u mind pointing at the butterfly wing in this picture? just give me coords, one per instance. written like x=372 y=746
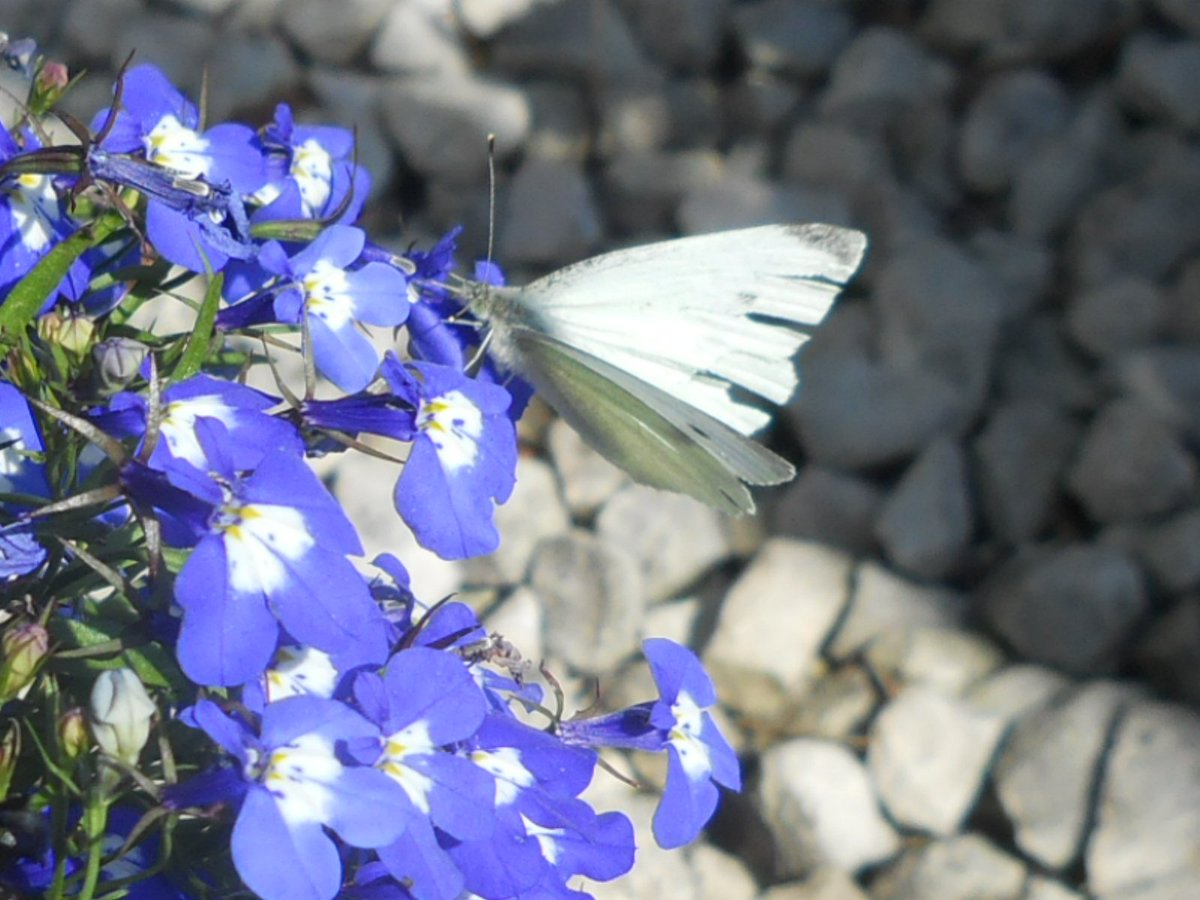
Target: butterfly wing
x=700 y=315
x=655 y=437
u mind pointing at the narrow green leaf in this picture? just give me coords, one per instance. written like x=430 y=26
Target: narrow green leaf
x=31 y=292
x=200 y=341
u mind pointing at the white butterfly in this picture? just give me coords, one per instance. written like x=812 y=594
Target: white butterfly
x=649 y=353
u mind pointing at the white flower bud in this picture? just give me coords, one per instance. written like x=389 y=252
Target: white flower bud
x=120 y=712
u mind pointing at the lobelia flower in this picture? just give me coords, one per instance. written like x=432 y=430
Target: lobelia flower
x=292 y=784
x=699 y=757
x=311 y=172
x=242 y=410
x=463 y=458
x=194 y=182
x=425 y=701
x=270 y=560
x=327 y=282
x=543 y=836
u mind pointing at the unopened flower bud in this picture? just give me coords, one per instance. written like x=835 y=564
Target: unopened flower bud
x=120 y=712
x=117 y=362
x=72 y=332
x=72 y=733
x=23 y=647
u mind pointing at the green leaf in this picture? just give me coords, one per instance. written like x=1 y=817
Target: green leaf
x=200 y=341
x=29 y=294
x=153 y=664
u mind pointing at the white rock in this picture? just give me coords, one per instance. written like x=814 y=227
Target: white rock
x=765 y=649
x=882 y=601
x=738 y=200
x=949 y=660
x=1148 y=824
x=483 y=18
x=817 y=801
x=646 y=524
x=1014 y=691
x=594 y=600
x=967 y=865
x=827 y=883
x=588 y=479
x=419 y=36
x=1049 y=766
x=928 y=758
x=333 y=32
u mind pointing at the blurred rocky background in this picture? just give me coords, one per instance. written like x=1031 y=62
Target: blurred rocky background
x=960 y=653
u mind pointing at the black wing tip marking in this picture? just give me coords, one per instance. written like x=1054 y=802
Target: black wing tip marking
x=846 y=245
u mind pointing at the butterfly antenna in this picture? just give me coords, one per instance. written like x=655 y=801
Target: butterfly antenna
x=491 y=145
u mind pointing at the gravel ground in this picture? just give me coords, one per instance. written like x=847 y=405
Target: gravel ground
x=959 y=653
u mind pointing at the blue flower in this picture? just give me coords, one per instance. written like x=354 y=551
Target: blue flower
x=293 y=785
x=312 y=173
x=463 y=460
x=274 y=557
x=20 y=552
x=20 y=437
x=194 y=181
x=325 y=282
x=699 y=757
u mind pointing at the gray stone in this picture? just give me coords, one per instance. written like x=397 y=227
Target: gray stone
x=948 y=660
x=1050 y=764
x=922 y=143
x=882 y=75
x=559 y=126
x=1008 y=31
x=333 y=33
x=821 y=152
x=928 y=757
x=827 y=506
x=1041 y=888
x=1184 y=13
x=534 y=512
x=1014 y=114
x=818 y=803
x=594 y=600
x=520 y=619
x=738 y=200
x=1050 y=186
x=1022 y=269
x=642 y=191
x=417 y=38
x=759 y=104
x=1182 y=310
x=441 y=123
x=837 y=707
x=1110 y=318
x=1072 y=607
x=94 y=30
x=551 y=218
x=766 y=645
x=1161 y=78
x=1148 y=823
x=588 y=479
x=682 y=34
x=882 y=601
x=1130 y=465
x=925 y=523
x=796 y=37
x=179 y=46
x=1143 y=226
x=695 y=110
x=966 y=865
x=209 y=8
x=1167 y=654
x=583 y=39
x=250 y=73
x=645 y=523
x=633 y=118
x=939 y=311
x=1035 y=363
x=1168 y=551
x=1015 y=691
x=855 y=413
x=1165 y=380
x=1020 y=455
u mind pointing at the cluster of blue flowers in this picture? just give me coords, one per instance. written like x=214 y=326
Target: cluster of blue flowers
x=359 y=742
